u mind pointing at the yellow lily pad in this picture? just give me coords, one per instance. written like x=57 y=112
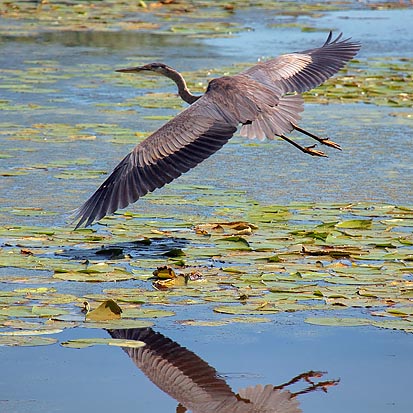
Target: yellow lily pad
x=108 y=310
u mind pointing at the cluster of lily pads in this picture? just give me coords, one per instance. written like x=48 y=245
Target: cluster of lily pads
x=322 y=259
x=193 y=18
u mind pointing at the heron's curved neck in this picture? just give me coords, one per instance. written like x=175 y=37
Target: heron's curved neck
x=183 y=91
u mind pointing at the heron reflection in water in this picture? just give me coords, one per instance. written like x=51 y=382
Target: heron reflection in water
x=196 y=385
x=265 y=100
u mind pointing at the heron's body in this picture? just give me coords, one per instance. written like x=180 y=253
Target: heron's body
x=264 y=99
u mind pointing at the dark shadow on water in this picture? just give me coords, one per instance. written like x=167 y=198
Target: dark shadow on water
x=196 y=386
x=145 y=248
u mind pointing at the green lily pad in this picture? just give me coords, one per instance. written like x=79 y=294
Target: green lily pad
x=119 y=323
x=26 y=341
x=146 y=313
x=88 y=342
x=116 y=274
x=338 y=321
x=34 y=311
x=401 y=311
x=31 y=332
x=204 y=323
x=247 y=309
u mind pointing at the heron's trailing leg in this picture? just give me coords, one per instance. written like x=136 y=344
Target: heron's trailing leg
x=324 y=141
x=308 y=377
x=322 y=385
x=306 y=149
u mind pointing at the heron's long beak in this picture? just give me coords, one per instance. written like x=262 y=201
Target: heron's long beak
x=132 y=69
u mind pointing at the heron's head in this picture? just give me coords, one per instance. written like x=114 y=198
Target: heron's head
x=160 y=68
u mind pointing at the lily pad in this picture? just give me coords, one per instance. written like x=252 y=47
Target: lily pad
x=26 y=341
x=31 y=332
x=118 y=323
x=338 y=321
x=88 y=342
x=146 y=313
x=116 y=274
x=108 y=310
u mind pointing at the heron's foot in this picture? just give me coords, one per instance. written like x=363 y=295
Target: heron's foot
x=321 y=385
x=306 y=149
x=307 y=376
x=323 y=141
x=328 y=142
x=313 y=152
x=310 y=378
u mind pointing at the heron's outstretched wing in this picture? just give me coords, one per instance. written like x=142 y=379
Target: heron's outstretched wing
x=302 y=71
x=176 y=370
x=179 y=145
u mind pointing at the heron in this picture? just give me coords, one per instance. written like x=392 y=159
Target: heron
x=197 y=386
x=265 y=101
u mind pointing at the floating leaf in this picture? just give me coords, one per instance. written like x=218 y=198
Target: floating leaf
x=338 y=321
x=247 y=309
x=355 y=224
x=88 y=342
x=119 y=323
x=31 y=332
x=86 y=276
x=204 y=323
x=108 y=310
x=401 y=311
x=43 y=311
x=24 y=341
x=34 y=311
x=235 y=239
x=146 y=313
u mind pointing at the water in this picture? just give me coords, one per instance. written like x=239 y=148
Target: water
x=375 y=165
x=372 y=365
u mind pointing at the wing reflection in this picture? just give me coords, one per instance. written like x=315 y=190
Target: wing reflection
x=196 y=385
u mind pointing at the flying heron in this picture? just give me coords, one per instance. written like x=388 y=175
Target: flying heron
x=264 y=99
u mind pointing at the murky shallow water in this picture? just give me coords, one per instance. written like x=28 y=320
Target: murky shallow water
x=375 y=165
